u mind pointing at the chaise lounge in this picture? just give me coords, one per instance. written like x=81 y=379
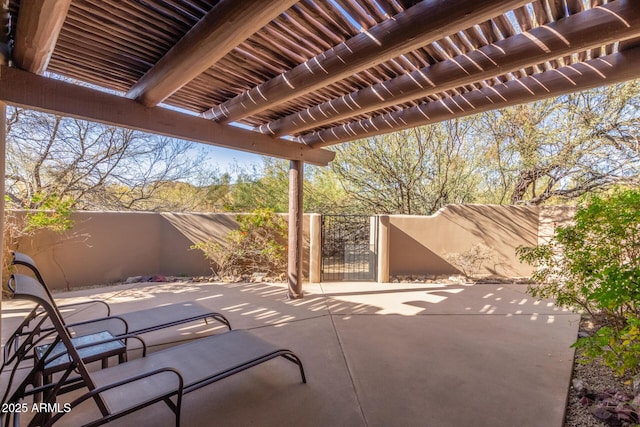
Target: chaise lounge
x=163 y=376
x=100 y=337
x=135 y=322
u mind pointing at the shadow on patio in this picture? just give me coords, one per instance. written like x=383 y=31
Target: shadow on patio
x=375 y=354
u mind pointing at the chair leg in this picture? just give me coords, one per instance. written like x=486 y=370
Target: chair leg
x=37 y=382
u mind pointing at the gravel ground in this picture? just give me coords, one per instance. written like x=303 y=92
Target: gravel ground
x=596 y=379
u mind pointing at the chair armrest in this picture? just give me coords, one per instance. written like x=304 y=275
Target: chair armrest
x=100 y=324
x=97 y=301
x=162 y=396
x=86 y=327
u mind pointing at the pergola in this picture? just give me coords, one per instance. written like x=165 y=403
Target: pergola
x=286 y=78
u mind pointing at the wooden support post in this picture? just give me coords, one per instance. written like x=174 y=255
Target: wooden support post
x=294 y=269
x=315 y=248
x=3 y=154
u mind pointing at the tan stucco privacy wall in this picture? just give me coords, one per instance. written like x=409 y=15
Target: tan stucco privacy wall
x=420 y=244
x=108 y=247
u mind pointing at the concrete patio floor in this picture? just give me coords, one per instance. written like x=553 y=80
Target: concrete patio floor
x=375 y=354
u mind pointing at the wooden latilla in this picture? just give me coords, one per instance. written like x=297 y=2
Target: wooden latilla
x=215 y=35
x=382 y=42
x=609 y=69
x=577 y=34
x=199 y=57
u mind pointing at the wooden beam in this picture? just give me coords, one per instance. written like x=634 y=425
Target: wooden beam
x=54 y=96
x=629 y=44
x=227 y=25
x=294 y=264
x=37 y=31
x=415 y=27
x=595 y=27
x=603 y=71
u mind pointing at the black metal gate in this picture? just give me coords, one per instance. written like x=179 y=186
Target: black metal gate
x=349 y=247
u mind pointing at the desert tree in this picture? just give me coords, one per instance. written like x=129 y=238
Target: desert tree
x=414 y=171
x=562 y=148
x=96 y=166
x=266 y=185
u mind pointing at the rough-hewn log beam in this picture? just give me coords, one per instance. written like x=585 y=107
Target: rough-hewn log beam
x=227 y=25
x=31 y=91
x=39 y=25
x=417 y=26
x=629 y=44
x=602 y=25
x=603 y=71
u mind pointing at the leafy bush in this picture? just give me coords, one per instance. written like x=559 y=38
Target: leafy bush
x=258 y=245
x=52 y=213
x=594 y=264
x=619 y=348
x=49 y=213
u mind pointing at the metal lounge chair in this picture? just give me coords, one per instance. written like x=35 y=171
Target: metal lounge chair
x=30 y=340
x=163 y=376
x=135 y=322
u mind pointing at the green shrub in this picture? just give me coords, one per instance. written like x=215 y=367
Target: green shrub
x=52 y=213
x=618 y=348
x=258 y=245
x=594 y=264
x=48 y=212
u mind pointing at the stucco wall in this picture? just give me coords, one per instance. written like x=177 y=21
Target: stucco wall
x=102 y=247
x=552 y=217
x=420 y=244
x=108 y=247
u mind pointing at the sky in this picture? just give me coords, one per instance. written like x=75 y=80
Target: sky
x=226 y=159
